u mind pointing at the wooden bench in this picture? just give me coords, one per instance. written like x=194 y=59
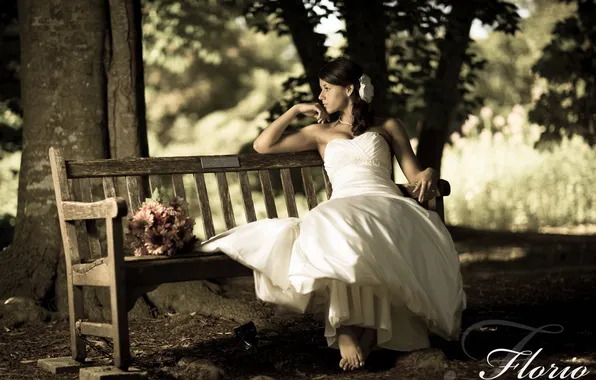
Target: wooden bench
x=94 y=260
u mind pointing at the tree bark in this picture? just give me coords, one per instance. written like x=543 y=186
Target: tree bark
x=366 y=32
x=126 y=88
x=310 y=45
x=442 y=95
x=64 y=102
x=127 y=123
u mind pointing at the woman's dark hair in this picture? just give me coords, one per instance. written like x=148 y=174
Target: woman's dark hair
x=343 y=72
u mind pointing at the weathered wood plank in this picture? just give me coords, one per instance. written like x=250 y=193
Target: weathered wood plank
x=328 y=189
x=95 y=329
x=178 y=269
x=80 y=227
x=203 y=197
x=249 y=206
x=226 y=202
x=94 y=273
x=134 y=189
x=90 y=223
x=109 y=187
x=309 y=188
x=267 y=190
x=289 y=195
x=186 y=165
x=179 y=191
x=155 y=182
x=108 y=208
x=71 y=251
x=178 y=185
x=120 y=338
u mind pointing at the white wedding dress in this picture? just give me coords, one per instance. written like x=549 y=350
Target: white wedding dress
x=368 y=256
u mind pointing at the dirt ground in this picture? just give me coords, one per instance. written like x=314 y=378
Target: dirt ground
x=521 y=280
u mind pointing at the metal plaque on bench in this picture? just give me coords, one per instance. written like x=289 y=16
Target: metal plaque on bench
x=220 y=162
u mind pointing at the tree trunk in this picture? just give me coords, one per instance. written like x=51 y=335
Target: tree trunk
x=442 y=94
x=310 y=45
x=366 y=32
x=64 y=101
x=127 y=123
x=126 y=88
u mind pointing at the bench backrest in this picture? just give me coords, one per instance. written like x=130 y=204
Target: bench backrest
x=254 y=178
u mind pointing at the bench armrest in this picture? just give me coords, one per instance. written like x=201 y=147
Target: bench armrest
x=443 y=186
x=108 y=208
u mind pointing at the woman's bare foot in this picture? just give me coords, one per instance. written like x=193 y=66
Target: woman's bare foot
x=368 y=341
x=349 y=347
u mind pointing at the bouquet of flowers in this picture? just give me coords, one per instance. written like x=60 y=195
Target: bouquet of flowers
x=161 y=227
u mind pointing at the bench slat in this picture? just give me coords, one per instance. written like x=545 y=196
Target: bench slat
x=179 y=191
x=178 y=269
x=91 y=224
x=249 y=206
x=309 y=188
x=155 y=182
x=133 y=188
x=201 y=188
x=109 y=187
x=95 y=329
x=226 y=202
x=289 y=195
x=186 y=165
x=267 y=190
x=74 y=217
x=328 y=188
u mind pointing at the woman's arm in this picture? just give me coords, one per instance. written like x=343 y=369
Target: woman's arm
x=425 y=179
x=271 y=140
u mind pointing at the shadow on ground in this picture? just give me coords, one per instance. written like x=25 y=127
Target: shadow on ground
x=526 y=282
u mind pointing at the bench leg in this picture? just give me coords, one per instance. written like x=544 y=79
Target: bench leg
x=75 y=313
x=118 y=305
x=120 y=327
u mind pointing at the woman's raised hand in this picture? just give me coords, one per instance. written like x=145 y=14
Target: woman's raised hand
x=314 y=110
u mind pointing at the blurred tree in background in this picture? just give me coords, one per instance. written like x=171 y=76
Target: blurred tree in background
x=568 y=63
x=199 y=59
x=508 y=78
x=11 y=133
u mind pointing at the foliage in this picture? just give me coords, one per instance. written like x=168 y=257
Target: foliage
x=200 y=58
x=568 y=63
x=500 y=181
x=268 y=17
x=415 y=33
x=508 y=79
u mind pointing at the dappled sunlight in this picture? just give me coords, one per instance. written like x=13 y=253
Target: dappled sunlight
x=500 y=181
x=580 y=360
x=514 y=253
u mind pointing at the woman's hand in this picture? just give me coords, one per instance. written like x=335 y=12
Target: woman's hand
x=314 y=110
x=426 y=186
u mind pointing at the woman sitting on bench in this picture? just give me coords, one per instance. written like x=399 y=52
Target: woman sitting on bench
x=383 y=269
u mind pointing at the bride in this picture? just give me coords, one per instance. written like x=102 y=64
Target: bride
x=382 y=268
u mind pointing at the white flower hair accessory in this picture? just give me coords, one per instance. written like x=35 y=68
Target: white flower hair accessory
x=367 y=90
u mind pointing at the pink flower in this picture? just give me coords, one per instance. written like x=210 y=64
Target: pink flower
x=156 y=229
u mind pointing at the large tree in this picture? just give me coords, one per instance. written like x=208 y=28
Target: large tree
x=79 y=63
x=64 y=100
x=366 y=32
x=445 y=90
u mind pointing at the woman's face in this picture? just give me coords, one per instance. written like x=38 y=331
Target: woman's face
x=334 y=97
